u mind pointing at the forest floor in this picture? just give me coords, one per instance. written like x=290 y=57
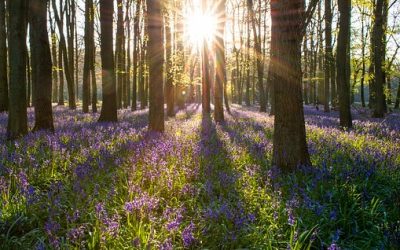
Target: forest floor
x=199 y=185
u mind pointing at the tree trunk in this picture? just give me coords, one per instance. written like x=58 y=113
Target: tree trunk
x=397 y=104
x=328 y=52
x=88 y=57
x=17 y=119
x=289 y=140
x=220 y=64
x=119 y=53
x=54 y=58
x=156 y=60
x=343 y=64
x=135 y=55
x=206 y=81
x=3 y=59
x=109 y=105
x=66 y=63
x=41 y=65
x=379 y=108
x=169 y=85
x=259 y=56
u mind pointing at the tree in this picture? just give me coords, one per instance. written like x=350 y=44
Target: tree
x=135 y=54
x=378 y=48
x=220 y=77
x=109 y=106
x=328 y=52
x=119 y=51
x=3 y=59
x=259 y=56
x=87 y=59
x=289 y=22
x=66 y=62
x=206 y=81
x=156 y=60
x=41 y=65
x=17 y=119
x=169 y=84
x=343 y=63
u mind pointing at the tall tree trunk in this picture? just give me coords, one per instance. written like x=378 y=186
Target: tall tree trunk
x=135 y=55
x=328 y=52
x=169 y=85
x=343 y=64
x=119 y=52
x=41 y=65
x=156 y=60
x=17 y=118
x=87 y=58
x=127 y=45
x=109 y=105
x=220 y=64
x=206 y=81
x=397 y=104
x=259 y=56
x=54 y=58
x=379 y=107
x=66 y=62
x=363 y=67
x=290 y=146
x=3 y=59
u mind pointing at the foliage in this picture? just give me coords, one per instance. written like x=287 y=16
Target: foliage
x=199 y=185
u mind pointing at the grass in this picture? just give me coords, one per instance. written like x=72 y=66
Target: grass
x=199 y=185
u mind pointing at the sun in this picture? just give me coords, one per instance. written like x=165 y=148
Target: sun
x=200 y=27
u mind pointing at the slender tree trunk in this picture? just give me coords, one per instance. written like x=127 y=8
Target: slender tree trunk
x=119 y=53
x=169 y=85
x=220 y=64
x=379 y=108
x=54 y=58
x=363 y=67
x=290 y=146
x=156 y=60
x=41 y=65
x=127 y=45
x=259 y=56
x=328 y=52
x=109 y=105
x=3 y=59
x=135 y=55
x=397 y=104
x=343 y=64
x=66 y=62
x=206 y=81
x=87 y=58
x=17 y=118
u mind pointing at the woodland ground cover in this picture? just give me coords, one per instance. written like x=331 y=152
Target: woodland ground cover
x=200 y=185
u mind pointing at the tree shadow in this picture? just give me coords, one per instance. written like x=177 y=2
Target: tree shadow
x=220 y=199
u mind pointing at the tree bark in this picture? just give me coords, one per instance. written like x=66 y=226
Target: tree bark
x=169 y=85
x=109 y=105
x=3 y=59
x=289 y=140
x=17 y=118
x=220 y=64
x=89 y=15
x=156 y=60
x=377 y=37
x=41 y=65
x=260 y=58
x=343 y=64
x=135 y=55
x=328 y=52
x=66 y=62
x=206 y=81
